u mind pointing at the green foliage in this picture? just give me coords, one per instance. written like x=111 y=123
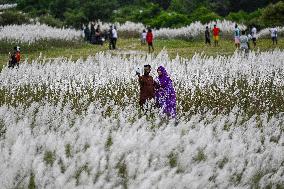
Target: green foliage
x=32 y=184
x=75 y=18
x=203 y=15
x=13 y=17
x=273 y=14
x=169 y=19
x=51 y=21
x=240 y=16
x=137 y=14
x=49 y=158
x=157 y=13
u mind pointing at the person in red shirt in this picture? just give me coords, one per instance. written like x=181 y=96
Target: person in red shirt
x=216 y=32
x=149 y=39
x=15 y=58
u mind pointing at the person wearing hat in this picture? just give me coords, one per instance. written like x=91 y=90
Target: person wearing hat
x=15 y=57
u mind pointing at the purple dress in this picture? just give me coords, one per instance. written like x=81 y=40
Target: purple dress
x=165 y=95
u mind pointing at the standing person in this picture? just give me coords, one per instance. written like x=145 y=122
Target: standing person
x=244 y=42
x=207 y=36
x=237 y=35
x=110 y=37
x=98 y=35
x=146 y=82
x=143 y=37
x=165 y=95
x=149 y=39
x=273 y=32
x=216 y=32
x=92 y=35
x=114 y=37
x=15 y=58
x=253 y=34
x=87 y=32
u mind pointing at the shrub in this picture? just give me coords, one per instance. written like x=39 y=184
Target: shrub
x=10 y=17
x=51 y=21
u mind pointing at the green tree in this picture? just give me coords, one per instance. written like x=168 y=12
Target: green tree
x=273 y=14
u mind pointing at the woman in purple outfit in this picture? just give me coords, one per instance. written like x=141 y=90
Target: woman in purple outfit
x=165 y=95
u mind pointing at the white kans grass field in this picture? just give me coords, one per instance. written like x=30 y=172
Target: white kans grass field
x=7 y=6
x=31 y=33
x=67 y=124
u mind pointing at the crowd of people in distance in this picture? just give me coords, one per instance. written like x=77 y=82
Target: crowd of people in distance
x=241 y=38
x=95 y=35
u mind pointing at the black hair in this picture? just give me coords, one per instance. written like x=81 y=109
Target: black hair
x=243 y=32
x=15 y=48
x=147 y=65
x=149 y=30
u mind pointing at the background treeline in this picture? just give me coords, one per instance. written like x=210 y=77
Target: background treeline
x=155 y=13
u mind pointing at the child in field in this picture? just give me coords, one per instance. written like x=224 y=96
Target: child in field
x=143 y=37
x=15 y=58
x=237 y=36
x=216 y=32
x=149 y=39
x=244 y=42
x=253 y=34
x=273 y=32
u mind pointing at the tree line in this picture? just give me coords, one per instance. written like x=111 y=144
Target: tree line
x=155 y=13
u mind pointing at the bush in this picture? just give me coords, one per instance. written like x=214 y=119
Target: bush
x=203 y=15
x=273 y=14
x=51 y=21
x=10 y=17
x=172 y=20
x=75 y=18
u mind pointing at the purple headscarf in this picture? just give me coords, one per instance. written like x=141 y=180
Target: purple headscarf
x=165 y=94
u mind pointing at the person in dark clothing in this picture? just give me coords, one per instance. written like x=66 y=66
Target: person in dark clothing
x=98 y=36
x=207 y=36
x=87 y=33
x=92 y=35
x=147 y=86
x=110 y=37
x=15 y=58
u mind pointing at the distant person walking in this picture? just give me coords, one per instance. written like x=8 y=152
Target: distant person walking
x=207 y=36
x=98 y=35
x=15 y=58
x=149 y=39
x=110 y=37
x=253 y=34
x=216 y=32
x=237 y=34
x=87 y=33
x=114 y=37
x=143 y=37
x=274 y=33
x=244 y=40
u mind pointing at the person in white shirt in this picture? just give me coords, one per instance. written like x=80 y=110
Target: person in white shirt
x=253 y=34
x=273 y=32
x=143 y=37
x=114 y=37
x=244 y=42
